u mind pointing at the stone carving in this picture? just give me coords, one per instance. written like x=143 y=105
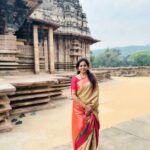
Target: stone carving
x=14 y=13
x=67 y=13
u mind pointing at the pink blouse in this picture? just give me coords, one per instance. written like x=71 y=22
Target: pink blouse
x=74 y=86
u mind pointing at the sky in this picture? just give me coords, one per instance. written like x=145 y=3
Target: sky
x=118 y=22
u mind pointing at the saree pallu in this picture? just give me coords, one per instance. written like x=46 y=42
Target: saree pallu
x=85 y=129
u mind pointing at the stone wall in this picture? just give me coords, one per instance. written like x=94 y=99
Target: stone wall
x=8 y=54
x=68 y=49
x=127 y=71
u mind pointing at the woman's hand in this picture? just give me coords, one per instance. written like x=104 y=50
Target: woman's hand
x=88 y=110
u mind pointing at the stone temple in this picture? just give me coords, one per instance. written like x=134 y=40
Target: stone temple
x=42 y=36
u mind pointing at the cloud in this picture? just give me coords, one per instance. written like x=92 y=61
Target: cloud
x=119 y=22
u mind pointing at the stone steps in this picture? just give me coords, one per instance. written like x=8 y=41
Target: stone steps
x=5 y=107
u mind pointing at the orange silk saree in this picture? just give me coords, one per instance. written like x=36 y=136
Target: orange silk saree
x=85 y=129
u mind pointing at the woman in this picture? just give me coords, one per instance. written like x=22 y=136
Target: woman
x=85 y=95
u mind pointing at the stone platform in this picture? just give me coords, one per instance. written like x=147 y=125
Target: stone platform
x=33 y=92
x=131 y=135
x=28 y=93
x=22 y=94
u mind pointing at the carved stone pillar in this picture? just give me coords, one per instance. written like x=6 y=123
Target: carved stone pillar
x=36 y=49
x=88 y=51
x=46 y=55
x=51 y=49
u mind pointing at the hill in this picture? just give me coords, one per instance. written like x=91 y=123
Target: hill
x=127 y=50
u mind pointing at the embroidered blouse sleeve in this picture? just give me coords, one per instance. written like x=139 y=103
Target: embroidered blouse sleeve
x=74 y=86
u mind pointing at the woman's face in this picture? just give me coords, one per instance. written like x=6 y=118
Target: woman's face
x=83 y=67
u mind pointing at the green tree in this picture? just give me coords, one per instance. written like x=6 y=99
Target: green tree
x=140 y=58
x=109 y=58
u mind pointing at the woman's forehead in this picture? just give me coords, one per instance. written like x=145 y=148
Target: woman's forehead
x=83 y=63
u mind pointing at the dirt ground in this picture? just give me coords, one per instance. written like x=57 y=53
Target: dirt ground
x=121 y=99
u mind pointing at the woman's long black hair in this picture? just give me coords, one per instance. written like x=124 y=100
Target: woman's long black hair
x=90 y=75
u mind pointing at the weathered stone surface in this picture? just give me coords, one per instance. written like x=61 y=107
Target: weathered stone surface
x=6 y=88
x=34 y=92
x=127 y=71
x=13 y=14
x=116 y=139
x=68 y=14
x=136 y=127
x=5 y=126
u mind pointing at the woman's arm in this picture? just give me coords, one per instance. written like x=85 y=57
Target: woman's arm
x=76 y=98
x=88 y=108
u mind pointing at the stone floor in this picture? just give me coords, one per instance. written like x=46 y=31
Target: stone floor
x=131 y=135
